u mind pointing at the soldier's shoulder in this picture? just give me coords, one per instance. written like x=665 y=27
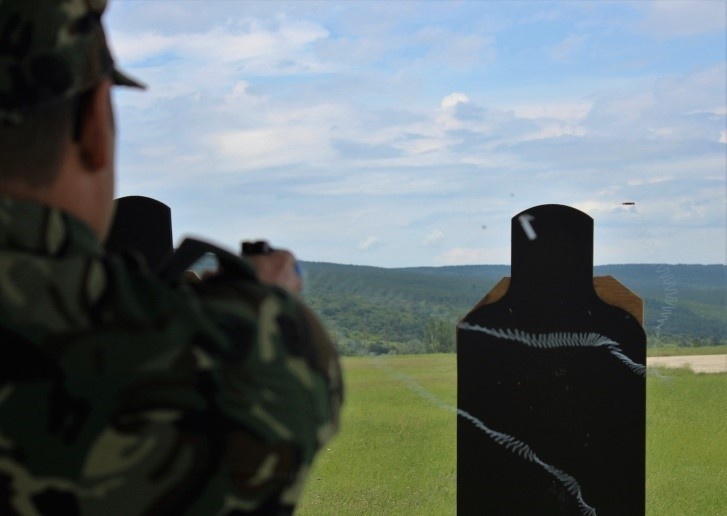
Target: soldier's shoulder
x=225 y=312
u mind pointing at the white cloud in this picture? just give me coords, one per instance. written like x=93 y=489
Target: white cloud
x=555 y=131
x=157 y=152
x=474 y=256
x=716 y=111
x=594 y=208
x=424 y=145
x=674 y=93
x=240 y=95
x=684 y=18
x=433 y=238
x=649 y=180
x=556 y=110
x=679 y=167
x=454 y=50
x=372 y=183
x=453 y=99
x=723 y=137
x=178 y=64
x=222 y=44
x=368 y=243
x=267 y=147
x=565 y=50
x=129 y=48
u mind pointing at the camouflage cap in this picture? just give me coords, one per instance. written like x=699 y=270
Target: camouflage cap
x=51 y=50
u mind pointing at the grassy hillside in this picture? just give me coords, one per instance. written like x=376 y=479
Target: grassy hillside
x=413 y=310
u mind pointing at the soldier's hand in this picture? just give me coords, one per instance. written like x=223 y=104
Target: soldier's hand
x=278 y=268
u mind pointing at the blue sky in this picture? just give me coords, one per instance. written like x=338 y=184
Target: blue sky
x=409 y=133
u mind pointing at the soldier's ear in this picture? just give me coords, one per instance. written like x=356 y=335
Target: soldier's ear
x=96 y=127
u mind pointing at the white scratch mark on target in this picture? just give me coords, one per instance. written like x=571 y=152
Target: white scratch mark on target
x=525 y=222
x=561 y=340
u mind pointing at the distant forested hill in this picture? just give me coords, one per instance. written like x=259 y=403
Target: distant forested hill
x=412 y=310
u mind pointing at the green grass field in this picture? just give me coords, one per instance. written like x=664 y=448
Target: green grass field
x=678 y=351
x=396 y=453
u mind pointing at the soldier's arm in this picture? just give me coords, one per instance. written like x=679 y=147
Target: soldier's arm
x=228 y=394
x=281 y=396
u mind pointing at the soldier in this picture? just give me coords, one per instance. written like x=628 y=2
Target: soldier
x=120 y=394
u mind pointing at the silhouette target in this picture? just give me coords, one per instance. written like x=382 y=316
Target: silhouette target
x=556 y=378
x=143 y=225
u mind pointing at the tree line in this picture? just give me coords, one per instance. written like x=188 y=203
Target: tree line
x=371 y=310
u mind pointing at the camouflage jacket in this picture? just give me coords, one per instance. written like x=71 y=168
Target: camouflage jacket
x=122 y=395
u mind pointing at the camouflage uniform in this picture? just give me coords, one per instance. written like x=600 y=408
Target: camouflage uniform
x=118 y=393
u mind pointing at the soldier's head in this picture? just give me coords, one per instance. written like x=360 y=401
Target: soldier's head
x=55 y=109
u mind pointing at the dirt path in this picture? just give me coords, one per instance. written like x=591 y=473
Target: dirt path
x=697 y=363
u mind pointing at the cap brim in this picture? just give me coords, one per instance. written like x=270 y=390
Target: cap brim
x=121 y=79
